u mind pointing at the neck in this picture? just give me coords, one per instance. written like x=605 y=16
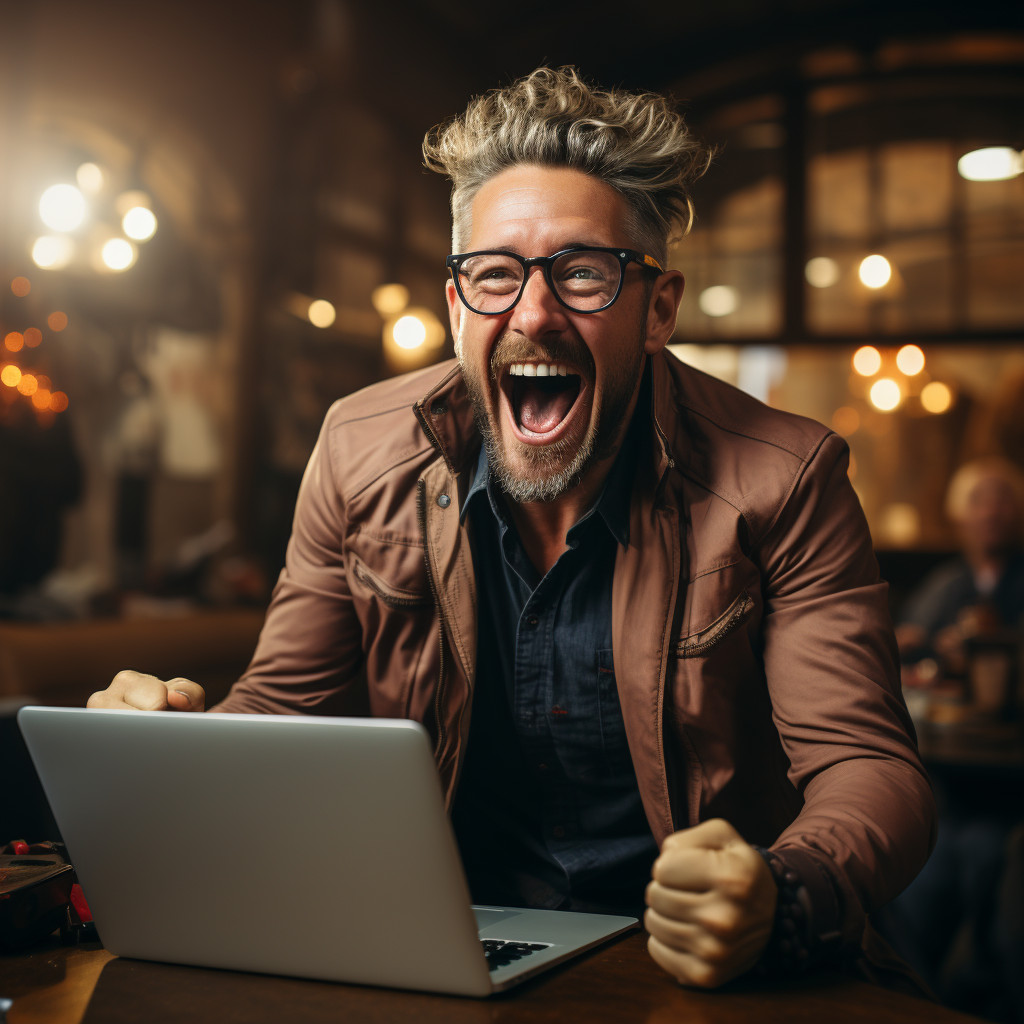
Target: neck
x=543 y=525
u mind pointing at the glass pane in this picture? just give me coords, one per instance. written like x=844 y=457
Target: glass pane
x=896 y=202
x=733 y=266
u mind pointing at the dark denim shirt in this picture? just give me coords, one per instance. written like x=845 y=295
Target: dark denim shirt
x=548 y=813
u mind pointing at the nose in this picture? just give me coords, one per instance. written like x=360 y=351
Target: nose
x=538 y=312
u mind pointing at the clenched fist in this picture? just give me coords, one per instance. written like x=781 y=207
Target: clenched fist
x=711 y=905
x=147 y=693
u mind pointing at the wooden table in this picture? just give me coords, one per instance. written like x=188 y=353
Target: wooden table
x=618 y=982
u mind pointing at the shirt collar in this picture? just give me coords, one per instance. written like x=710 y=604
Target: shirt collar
x=614 y=501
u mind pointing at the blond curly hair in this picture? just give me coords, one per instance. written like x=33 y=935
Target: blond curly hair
x=636 y=142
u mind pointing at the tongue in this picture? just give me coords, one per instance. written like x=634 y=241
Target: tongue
x=542 y=410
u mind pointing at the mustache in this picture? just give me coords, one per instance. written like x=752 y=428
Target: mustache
x=514 y=348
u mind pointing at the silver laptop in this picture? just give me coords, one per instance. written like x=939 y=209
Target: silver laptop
x=314 y=847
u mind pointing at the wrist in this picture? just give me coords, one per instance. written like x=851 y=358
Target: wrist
x=795 y=944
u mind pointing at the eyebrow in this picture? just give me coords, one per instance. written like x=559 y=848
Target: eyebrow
x=568 y=245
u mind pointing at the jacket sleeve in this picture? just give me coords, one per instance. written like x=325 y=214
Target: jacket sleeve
x=868 y=822
x=309 y=656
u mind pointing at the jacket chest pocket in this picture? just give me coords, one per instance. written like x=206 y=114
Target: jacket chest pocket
x=698 y=644
x=395 y=597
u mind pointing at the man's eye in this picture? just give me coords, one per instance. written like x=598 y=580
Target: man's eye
x=582 y=273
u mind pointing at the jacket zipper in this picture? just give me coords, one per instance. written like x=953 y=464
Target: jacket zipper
x=742 y=607
x=421 y=510
x=390 y=599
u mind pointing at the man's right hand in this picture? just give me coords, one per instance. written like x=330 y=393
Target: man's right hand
x=140 y=692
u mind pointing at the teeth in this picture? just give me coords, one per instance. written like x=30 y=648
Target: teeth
x=538 y=370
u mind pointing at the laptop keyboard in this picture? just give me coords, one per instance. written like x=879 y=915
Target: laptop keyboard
x=501 y=952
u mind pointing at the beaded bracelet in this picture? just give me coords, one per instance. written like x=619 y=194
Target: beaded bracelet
x=791 y=945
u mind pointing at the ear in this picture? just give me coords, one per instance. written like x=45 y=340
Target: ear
x=662 y=310
x=455 y=312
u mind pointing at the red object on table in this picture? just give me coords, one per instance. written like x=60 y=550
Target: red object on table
x=80 y=907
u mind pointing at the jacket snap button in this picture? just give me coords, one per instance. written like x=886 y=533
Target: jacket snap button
x=443 y=500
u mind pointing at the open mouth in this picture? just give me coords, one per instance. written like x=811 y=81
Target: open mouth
x=541 y=399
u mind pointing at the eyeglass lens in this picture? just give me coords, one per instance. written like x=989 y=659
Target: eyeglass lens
x=583 y=280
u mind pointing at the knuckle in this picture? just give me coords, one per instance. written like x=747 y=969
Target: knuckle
x=725 y=922
x=712 y=951
x=739 y=884
x=703 y=974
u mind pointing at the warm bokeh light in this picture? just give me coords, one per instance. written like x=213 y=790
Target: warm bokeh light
x=936 y=397
x=62 y=207
x=52 y=252
x=845 y=421
x=139 y=223
x=719 y=300
x=321 y=313
x=41 y=399
x=900 y=524
x=10 y=375
x=409 y=332
x=89 y=178
x=133 y=197
x=42 y=381
x=57 y=321
x=822 y=272
x=910 y=360
x=390 y=299
x=58 y=401
x=21 y=286
x=28 y=385
x=875 y=271
x=885 y=394
x=14 y=341
x=994 y=163
x=118 y=254
x=867 y=361
x=33 y=337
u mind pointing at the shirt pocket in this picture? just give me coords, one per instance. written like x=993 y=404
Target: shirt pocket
x=614 y=744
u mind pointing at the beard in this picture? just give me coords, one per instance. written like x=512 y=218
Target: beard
x=552 y=470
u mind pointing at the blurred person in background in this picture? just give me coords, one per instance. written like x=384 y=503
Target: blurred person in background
x=959 y=921
x=981 y=591
x=40 y=477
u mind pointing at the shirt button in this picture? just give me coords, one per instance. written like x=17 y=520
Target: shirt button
x=533 y=622
x=558 y=832
x=443 y=500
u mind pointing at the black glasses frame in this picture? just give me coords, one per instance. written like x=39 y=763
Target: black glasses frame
x=625 y=256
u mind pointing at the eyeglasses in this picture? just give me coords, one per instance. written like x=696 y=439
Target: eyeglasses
x=585 y=280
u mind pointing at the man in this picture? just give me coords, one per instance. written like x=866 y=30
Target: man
x=636 y=609
x=984 y=589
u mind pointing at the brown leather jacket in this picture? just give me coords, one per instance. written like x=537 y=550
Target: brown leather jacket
x=754 y=654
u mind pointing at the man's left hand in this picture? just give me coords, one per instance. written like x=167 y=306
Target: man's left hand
x=711 y=905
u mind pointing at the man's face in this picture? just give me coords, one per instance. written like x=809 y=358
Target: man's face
x=543 y=432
